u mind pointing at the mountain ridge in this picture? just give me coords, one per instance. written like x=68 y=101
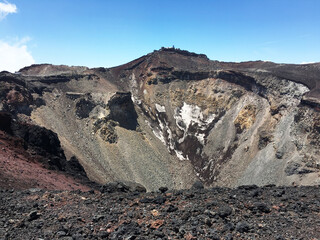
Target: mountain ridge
x=226 y=124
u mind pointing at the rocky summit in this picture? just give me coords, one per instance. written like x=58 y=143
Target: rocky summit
x=167 y=121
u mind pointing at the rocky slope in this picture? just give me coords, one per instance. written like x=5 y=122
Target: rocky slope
x=248 y=212
x=31 y=157
x=172 y=117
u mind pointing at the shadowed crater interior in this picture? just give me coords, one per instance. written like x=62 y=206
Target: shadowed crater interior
x=122 y=110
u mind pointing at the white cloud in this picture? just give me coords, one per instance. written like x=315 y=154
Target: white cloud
x=15 y=56
x=6 y=8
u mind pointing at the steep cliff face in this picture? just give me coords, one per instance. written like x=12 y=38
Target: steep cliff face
x=171 y=117
x=236 y=124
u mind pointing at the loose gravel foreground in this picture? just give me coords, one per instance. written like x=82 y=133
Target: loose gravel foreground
x=248 y=212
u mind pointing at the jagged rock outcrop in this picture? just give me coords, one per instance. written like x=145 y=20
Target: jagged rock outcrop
x=36 y=139
x=172 y=117
x=122 y=110
x=31 y=156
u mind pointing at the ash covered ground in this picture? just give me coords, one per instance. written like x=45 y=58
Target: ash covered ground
x=120 y=212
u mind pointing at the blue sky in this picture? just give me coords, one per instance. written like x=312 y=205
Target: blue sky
x=108 y=33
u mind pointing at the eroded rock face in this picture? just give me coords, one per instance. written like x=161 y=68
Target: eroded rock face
x=235 y=127
x=84 y=107
x=14 y=95
x=122 y=110
x=172 y=117
x=121 y=113
x=35 y=138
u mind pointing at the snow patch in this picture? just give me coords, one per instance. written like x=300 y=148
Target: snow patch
x=159 y=135
x=302 y=89
x=171 y=147
x=101 y=115
x=180 y=155
x=134 y=100
x=200 y=137
x=160 y=123
x=191 y=114
x=160 y=108
x=134 y=88
x=188 y=114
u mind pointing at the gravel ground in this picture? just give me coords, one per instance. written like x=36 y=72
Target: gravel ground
x=247 y=212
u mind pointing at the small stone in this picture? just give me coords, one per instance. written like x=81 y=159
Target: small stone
x=255 y=192
x=103 y=234
x=97 y=218
x=77 y=236
x=159 y=200
x=279 y=155
x=186 y=216
x=211 y=214
x=197 y=185
x=61 y=234
x=155 y=213
x=172 y=208
x=163 y=189
x=156 y=224
x=11 y=221
x=146 y=200
x=242 y=227
x=208 y=222
x=140 y=189
x=292 y=168
x=34 y=190
x=33 y=216
x=225 y=211
x=262 y=207
x=229 y=237
x=159 y=234
x=228 y=227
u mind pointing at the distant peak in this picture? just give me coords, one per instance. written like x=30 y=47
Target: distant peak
x=50 y=69
x=182 y=52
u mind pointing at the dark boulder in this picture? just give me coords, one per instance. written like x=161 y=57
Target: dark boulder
x=113 y=187
x=292 y=168
x=163 y=189
x=197 y=185
x=262 y=207
x=224 y=211
x=242 y=227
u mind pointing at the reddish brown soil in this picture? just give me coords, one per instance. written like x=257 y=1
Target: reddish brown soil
x=20 y=170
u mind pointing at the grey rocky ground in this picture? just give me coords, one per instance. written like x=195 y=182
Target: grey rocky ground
x=247 y=212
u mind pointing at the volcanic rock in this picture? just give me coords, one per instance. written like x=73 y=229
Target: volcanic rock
x=170 y=118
